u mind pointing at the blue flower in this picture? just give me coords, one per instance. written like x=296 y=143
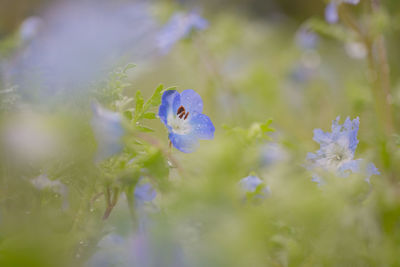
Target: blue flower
x=141 y=249
x=178 y=27
x=29 y=28
x=273 y=153
x=182 y=115
x=108 y=131
x=144 y=195
x=331 y=12
x=252 y=183
x=145 y=192
x=337 y=148
x=306 y=39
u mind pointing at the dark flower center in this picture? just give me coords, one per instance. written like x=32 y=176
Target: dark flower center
x=182 y=113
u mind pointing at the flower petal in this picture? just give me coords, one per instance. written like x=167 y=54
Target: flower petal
x=352 y=127
x=350 y=166
x=191 y=101
x=202 y=127
x=166 y=104
x=371 y=170
x=186 y=143
x=322 y=137
x=176 y=103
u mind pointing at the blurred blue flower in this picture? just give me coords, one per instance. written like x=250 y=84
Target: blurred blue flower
x=252 y=183
x=108 y=130
x=145 y=192
x=29 y=28
x=273 y=153
x=127 y=30
x=178 y=27
x=306 y=38
x=182 y=115
x=331 y=12
x=139 y=249
x=112 y=251
x=337 y=148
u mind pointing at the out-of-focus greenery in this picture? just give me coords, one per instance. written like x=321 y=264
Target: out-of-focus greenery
x=259 y=87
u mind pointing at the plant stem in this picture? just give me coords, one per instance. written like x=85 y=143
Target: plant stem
x=377 y=66
x=384 y=73
x=110 y=202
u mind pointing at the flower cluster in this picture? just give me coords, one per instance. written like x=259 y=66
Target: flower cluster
x=337 y=148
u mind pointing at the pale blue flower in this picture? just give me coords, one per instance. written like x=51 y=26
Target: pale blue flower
x=178 y=27
x=337 y=148
x=331 y=10
x=145 y=192
x=306 y=38
x=29 y=28
x=139 y=249
x=273 y=153
x=182 y=115
x=108 y=130
x=252 y=183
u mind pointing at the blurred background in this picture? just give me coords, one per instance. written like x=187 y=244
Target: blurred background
x=251 y=61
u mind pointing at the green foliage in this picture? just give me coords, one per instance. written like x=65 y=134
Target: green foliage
x=335 y=31
x=256 y=131
x=144 y=110
x=111 y=93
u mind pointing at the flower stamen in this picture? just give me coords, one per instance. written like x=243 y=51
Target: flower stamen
x=181 y=109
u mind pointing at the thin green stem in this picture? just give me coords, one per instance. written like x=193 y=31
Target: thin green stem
x=378 y=69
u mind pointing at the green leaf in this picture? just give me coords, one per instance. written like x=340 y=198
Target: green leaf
x=155 y=99
x=128 y=114
x=149 y=116
x=139 y=102
x=129 y=66
x=265 y=127
x=144 y=128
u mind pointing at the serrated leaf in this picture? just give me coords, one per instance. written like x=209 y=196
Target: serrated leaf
x=265 y=127
x=155 y=99
x=129 y=66
x=139 y=102
x=149 y=116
